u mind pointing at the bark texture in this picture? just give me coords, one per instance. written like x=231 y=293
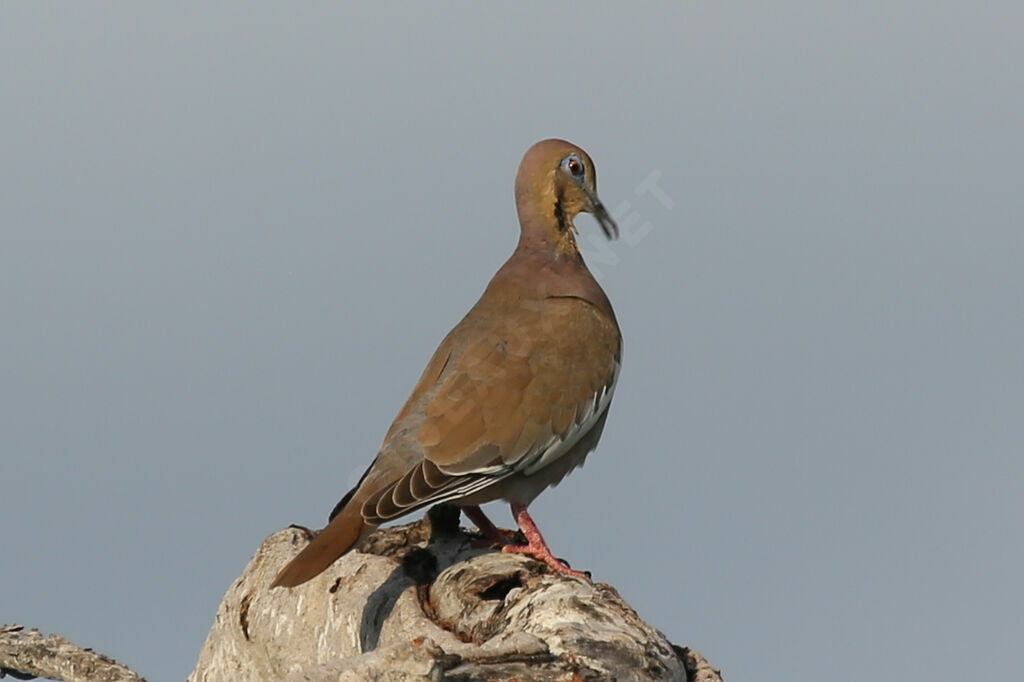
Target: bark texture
x=419 y=602
x=27 y=654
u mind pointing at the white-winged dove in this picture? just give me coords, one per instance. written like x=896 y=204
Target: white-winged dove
x=516 y=395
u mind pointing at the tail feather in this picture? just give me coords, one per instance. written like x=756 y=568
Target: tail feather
x=344 y=530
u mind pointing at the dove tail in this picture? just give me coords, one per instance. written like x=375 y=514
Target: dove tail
x=344 y=530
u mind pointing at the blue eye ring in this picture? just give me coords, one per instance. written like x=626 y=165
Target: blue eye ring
x=573 y=165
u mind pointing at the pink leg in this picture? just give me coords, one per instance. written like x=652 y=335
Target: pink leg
x=492 y=533
x=535 y=545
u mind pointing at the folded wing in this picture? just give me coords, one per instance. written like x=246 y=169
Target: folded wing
x=511 y=401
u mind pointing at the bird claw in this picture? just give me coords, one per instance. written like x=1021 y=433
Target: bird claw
x=542 y=554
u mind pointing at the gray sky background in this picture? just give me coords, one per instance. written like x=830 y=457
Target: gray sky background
x=232 y=234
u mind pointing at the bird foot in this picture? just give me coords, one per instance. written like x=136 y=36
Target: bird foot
x=492 y=536
x=535 y=545
x=544 y=554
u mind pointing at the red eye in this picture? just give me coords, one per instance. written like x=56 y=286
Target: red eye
x=575 y=167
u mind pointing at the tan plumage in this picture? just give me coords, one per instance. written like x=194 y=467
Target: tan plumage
x=516 y=395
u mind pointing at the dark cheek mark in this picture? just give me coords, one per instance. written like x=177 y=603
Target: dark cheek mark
x=563 y=224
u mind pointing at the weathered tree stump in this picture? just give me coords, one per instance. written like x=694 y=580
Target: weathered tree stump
x=419 y=602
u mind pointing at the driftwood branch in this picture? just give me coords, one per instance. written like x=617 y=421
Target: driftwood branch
x=26 y=654
x=419 y=602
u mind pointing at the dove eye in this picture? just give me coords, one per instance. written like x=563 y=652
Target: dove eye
x=574 y=167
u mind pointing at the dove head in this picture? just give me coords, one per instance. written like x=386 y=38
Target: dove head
x=556 y=182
